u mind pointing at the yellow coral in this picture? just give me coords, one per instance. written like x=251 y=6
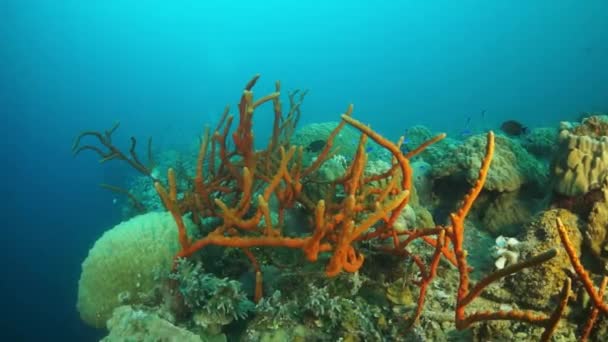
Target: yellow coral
x=583 y=162
x=122 y=265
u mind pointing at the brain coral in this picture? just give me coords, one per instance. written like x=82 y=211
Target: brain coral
x=583 y=156
x=511 y=165
x=122 y=265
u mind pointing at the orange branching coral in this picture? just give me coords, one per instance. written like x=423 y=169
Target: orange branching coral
x=244 y=187
x=466 y=294
x=598 y=305
x=454 y=235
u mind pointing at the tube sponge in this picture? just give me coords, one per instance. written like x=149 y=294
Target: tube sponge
x=124 y=264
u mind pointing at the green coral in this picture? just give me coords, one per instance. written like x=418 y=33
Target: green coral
x=417 y=135
x=214 y=301
x=512 y=166
x=313 y=137
x=541 y=142
x=353 y=319
x=333 y=316
x=273 y=312
x=328 y=309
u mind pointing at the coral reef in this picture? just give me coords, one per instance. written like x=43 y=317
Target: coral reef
x=339 y=220
x=389 y=272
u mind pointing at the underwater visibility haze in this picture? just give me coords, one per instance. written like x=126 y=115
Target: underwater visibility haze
x=304 y=170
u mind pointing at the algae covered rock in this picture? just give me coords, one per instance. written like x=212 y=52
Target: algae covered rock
x=421 y=176
x=541 y=142
x=505 y=214
x=512 y=166
x=332 y=169
x=537 y=286
x=128 y=324
x=415 y=136
x=123 y=265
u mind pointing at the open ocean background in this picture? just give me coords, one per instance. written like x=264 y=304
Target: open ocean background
x=165 y=68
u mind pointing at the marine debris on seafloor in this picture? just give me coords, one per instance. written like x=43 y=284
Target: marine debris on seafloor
x=245 y=225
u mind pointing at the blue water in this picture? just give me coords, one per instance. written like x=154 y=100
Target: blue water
x=165 y=68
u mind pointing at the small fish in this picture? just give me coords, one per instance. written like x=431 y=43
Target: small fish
x=315 y=146
x=369 y=149
x=466 y=132
x=513 y=128
x=406 y=140
x=423 y=167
